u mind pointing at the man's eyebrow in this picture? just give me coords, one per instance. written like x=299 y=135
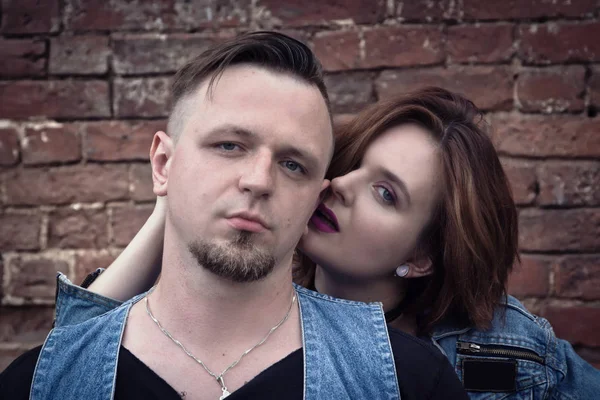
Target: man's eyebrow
x=389 y=175
x=235 y=129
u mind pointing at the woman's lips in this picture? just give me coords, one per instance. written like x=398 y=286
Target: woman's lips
x=324 y=220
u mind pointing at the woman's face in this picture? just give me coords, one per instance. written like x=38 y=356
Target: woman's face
x=380 y=208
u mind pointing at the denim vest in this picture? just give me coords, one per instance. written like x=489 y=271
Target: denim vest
x=546 y=367
x=347 y=351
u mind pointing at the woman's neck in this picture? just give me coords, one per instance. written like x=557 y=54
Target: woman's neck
x=388 y=291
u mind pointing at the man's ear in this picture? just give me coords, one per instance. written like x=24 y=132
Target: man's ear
x=324 y=186
x=161 y=153
x=420 y=267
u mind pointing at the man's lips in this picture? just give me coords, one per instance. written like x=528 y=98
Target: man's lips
x=245 y=221
x=324 y=220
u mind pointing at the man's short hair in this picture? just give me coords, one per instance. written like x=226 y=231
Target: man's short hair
x=271 y=50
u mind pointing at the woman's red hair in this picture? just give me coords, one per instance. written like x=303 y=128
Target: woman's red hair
x=472 y=239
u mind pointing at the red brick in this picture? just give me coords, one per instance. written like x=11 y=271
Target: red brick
x=402 y=46
x=30 y=16
x=578 y=276
x=533 y=305
x=89 y=261
x=20 y=231
x=553 y=89
x=68 y=184
x=577 y=324
x=151 y=53
x=54 y=99
x=78 y=229
x=569 y=183
x=141 y=97
x=531 y=277
x=491 y=88
x=127 y=221
x=120 y=140
x=595 y=86
x=527 y=9
x=49 y=143
x=523 y=180
x=318 y=12
x=33 y=277
x=480 y=43
x=79 y=55
x=337 y=51
x=1 y=278
x=544 y=136
x=22 y=57
x=25 y=324
x=560 y=230
x=560 y=42
x=141 y=183
x=154 y=15
x=350 y=92
x=427 y=10
x=9 y=146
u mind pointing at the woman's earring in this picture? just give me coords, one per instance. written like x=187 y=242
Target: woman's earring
x=403 y=270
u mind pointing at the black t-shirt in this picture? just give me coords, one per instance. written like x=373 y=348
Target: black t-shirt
x=423 y=373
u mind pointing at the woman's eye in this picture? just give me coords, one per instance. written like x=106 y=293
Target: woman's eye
x=385 y=194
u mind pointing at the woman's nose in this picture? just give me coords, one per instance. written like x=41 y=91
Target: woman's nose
x=341 y=188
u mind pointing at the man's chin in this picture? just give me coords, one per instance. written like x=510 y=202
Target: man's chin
x=238 y=260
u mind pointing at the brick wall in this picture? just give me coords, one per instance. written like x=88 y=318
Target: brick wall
x=83 y=89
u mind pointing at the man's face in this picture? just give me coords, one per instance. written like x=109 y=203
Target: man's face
x=245 y=175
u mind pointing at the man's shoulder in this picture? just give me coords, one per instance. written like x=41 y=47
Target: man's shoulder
x=15 y=380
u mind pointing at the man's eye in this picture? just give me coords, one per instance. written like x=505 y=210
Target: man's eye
x=228 y=146
x=293 y=166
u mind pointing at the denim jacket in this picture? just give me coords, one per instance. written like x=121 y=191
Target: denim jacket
x=79 y=357
x=546 y=367
x=522 y=355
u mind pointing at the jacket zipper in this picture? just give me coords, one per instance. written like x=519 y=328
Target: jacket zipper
x=497 y=351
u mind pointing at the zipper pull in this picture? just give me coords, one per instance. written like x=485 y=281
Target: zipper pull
x=471 y=347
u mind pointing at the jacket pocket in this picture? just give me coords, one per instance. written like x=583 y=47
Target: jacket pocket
x=494 y=372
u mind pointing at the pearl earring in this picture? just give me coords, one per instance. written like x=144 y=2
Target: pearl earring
x=403 y=270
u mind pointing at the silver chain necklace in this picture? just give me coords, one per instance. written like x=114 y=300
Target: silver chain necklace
x=219 y=377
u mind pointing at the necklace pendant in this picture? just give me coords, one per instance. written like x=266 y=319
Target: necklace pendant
x=225 y=394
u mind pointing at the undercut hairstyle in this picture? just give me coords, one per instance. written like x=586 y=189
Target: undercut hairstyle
x=472 y=238
x=270 y=50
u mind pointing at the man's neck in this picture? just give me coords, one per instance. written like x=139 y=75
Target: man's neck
x=217 y=321
x=190 y=298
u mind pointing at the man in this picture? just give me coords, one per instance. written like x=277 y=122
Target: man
x=248 y=144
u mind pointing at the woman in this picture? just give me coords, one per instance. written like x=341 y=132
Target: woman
x=419 y=216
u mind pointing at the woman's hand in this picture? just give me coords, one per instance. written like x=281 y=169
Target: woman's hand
x=138 y=266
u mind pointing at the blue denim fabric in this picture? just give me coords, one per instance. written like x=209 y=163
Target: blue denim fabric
x=75 y=304
x=562 y=375
x=347 y=352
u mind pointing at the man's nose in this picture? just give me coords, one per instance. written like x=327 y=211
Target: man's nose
x=257 y=177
